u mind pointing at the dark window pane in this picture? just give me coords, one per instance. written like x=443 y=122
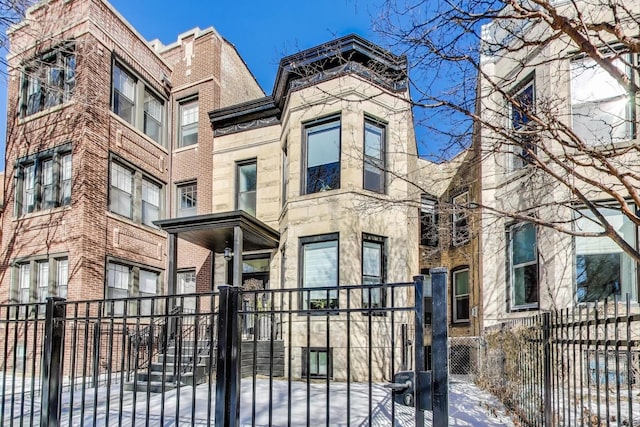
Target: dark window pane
x=525 y=284
x=323 y=177
x=323 y=157
x=598 y=276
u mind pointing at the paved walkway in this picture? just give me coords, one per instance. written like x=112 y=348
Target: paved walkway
x=469 y=406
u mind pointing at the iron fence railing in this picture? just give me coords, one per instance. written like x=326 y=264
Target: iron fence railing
x=571 y=367
x=146 y=361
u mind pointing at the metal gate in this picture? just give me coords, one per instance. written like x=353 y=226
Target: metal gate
x=261 y=357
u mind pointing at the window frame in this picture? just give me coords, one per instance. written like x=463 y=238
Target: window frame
x=624 y=260
x=133 y=289
x=31 y=266
x=520 y=124
x=429 y=218
x=381 y=243
x=306 y=362
x=183 y=105
x=460 y=229
x=455 y=296
x=32 y=166
x=140 y=116
x=184 y=212
x=320 y=125
x=238 y=193
x=38 y=73
x=371 y=161
x=305 y=292
x=630 y=104
x=512 y=267
x=136 y=202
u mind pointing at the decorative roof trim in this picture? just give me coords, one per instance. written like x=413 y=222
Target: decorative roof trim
x=349 y=54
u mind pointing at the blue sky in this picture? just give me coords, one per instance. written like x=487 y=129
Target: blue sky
x=262 y=31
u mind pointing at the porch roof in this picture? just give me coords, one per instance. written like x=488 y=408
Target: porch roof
x=216 y=231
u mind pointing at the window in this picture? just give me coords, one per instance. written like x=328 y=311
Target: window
x=319 y=267
x=121 y=190
x=374 y=156
x=322 y=162
x=460 y=226
x=49 y=80
x=601 y=108
x=246 y=186
x=603 y=270
x=316 y=363
x=137 y=104
x=461 y=295
x=187 y=285
x=188 y=123
x=38 y=278
x=43 y=180
x=373 y=271
x=522 y=107
x=130 y=281
x=124 y=94
x=428 y=221
x=150 y=202
x=152 y=124
x=134 y=195
x=187 y=199
x=523 y=257
x=148 y=287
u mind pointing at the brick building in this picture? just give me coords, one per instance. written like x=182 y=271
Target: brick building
x=106 y=134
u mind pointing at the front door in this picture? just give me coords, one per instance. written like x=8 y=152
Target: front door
x=255 y=277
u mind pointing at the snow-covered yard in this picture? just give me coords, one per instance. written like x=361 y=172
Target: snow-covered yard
x=469 y=406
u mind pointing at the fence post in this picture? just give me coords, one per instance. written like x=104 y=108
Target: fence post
x=546 y=342
x=440 y=347
x=228 y=359
x=95 y=367
x=419 y=347
x=52 y=362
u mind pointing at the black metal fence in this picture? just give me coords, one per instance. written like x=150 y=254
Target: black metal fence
x=573 y=367
x=147 y=361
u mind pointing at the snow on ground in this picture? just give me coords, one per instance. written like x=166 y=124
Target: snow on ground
x=469 y=406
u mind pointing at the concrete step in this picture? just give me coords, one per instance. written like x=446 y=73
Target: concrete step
x=184 y=358
x=153 y=386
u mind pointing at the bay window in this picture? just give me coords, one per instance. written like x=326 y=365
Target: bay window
x=43 y=180
x=373 y=270
x=374 y=156
x=322 y=156
x=319 y=268
x=40 y=277
x=49 y=80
